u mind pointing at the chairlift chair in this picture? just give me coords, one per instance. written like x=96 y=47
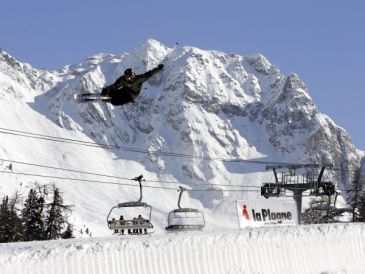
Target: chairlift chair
x=183 y=219
x=135 y=224
x=270 y=190
x=323 y=188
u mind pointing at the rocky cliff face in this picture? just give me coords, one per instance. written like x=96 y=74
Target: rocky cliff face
x=362 y=171
x=205 y=103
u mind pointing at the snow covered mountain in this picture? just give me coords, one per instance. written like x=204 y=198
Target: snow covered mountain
x=212 y=105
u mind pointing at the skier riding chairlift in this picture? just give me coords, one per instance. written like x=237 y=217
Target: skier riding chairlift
x=136 y=225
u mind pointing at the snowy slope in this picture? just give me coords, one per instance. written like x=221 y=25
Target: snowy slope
x=205 y=103
x=295 y=249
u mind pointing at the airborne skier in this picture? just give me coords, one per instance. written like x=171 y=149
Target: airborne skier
x=125 y=89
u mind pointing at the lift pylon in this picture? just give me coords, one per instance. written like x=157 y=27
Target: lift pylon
x=297 y=183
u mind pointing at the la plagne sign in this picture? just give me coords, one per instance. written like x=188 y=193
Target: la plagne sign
x=266 y=212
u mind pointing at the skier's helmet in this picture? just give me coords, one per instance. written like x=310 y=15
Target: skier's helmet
x=128 y=72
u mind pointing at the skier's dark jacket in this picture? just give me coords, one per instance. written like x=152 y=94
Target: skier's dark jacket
x=125 y=90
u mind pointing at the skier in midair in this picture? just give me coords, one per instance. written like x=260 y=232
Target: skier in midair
x=127 y=87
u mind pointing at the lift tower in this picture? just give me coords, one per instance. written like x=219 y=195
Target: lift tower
x=297 y=184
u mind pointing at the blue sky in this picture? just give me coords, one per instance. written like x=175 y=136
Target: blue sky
x=323 y=41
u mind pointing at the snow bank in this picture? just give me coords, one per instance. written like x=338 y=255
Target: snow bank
x=299 y=249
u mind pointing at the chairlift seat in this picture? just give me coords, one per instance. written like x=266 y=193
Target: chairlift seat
x=323 y=188
x=133 y=204
x=185 y=219
x=270 y=190
x=130 y=224
x=185 y=210
x=137 y=223
x=184 y=227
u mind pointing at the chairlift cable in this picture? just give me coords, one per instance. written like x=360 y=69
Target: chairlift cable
x=124 y=178
x=111 y=183
x=64 y=169
x=80 y=180
x=114 y=177
x=136 y=150
x=133 y=185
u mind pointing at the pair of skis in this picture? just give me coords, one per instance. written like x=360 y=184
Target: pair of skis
x=90 y=97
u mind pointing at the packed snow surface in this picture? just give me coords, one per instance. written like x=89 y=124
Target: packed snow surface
x=335 y=248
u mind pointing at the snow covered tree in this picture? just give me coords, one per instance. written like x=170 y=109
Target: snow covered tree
x=11 y=228
x=39 y=221
x=68 y=233
x=32 y=216
x=15 y=222
x=57 y=214
x=357 y=194
x=321 y=211
x=359 y=212
x=316 y=212
x=4 y=217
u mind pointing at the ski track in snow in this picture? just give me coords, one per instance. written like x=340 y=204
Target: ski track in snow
x=335 y=248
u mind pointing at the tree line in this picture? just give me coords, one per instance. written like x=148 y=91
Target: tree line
x=42 y=216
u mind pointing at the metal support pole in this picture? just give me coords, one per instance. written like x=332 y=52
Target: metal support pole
x=139 y=179
x=182 y=189
x=297 y=195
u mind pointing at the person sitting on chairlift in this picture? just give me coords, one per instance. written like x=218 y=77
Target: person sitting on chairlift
x=122 y=222
x=115 y=230
x=140 y=222
x=135 y=223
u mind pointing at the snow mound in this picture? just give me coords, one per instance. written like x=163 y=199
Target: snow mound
x=300 y=249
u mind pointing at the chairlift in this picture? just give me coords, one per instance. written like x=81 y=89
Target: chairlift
x=183 y=219
x=322 y=189
x=270 y=190
x=135 y=225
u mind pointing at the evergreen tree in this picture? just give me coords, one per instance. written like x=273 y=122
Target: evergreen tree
x=361 y=207
x=68 y=233
x=4 y=216
x=11 y=228
x=32 y=216
x=35 y=223
x=358 y=203
x=357 y=194
x=314 y=214
x=57 y=216
x=320 y=211
x=15 y=222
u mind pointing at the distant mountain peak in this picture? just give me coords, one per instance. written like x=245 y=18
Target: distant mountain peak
x=152 y=43
x=149 y=53
x=260 y=63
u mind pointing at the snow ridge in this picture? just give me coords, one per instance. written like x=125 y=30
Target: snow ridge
x=314 y=249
